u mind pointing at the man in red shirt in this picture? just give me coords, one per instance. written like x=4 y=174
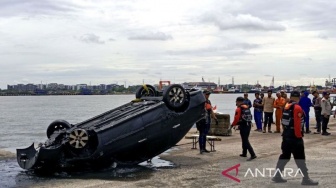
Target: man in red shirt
x=292 y=141
x=243 y=118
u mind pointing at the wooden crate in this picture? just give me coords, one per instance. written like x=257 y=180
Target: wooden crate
x=222 y=128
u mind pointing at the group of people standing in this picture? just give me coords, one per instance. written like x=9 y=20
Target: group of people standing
x=292 y=113
x=322 y=109
x=266 y=105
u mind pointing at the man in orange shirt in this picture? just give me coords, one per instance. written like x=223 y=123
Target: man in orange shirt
x=279 y=104
x=292 y=141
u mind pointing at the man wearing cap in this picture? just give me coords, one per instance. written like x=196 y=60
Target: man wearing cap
x=203 y=125
x=243 y=118
x=326 y=111
x=292 y=141
x=268 y=103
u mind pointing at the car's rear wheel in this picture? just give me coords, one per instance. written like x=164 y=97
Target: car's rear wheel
x=57 y=125
x=146 y=91
x=175 y=97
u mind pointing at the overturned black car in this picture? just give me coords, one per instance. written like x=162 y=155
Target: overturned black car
x=129 y=134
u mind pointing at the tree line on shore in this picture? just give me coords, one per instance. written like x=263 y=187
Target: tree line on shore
x=82 y=91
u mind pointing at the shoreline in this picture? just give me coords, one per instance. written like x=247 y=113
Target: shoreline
x=4 y=154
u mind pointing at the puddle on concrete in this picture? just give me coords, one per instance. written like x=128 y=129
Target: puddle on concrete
x=11 y=175
x=156 y=162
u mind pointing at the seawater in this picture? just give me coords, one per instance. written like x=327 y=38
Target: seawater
x=24 y=119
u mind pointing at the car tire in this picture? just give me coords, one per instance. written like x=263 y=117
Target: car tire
x=146 y=90
x=78 y=138
x=56 y=126
x=175 y=97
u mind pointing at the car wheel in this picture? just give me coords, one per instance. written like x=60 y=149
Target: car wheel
x=57 y=125
x=145 y=90
x=175 y=96
x=78 y=138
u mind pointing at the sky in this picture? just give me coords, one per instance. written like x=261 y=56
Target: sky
x=136 y=41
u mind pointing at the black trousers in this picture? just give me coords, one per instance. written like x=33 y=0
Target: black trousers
x=268 y=119
x=318 y=118
x=293 y=146
x=244 y=134
x=203 y=132
x=325 y=121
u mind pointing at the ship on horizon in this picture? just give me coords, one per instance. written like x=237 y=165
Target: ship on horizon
x=233 y=90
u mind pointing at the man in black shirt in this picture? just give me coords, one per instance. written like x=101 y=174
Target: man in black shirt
x=258 y=112
x=317 y=110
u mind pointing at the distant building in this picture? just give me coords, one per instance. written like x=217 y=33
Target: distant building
x=10 y=87
x=41 y=86
x=80 y=86
x=61 y=86
x=22 y=87
x=52 y=86
x=112 y=86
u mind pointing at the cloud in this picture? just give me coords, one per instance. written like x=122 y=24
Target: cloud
x=151 y=36
x=91 y=38
x=201 y=38
x=10 y=8
x=233 y=49
x=242 y=21
x=322 y=36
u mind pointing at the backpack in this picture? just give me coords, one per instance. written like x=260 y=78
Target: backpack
x=287 y=120
x=287 y=117
x=246 y=114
